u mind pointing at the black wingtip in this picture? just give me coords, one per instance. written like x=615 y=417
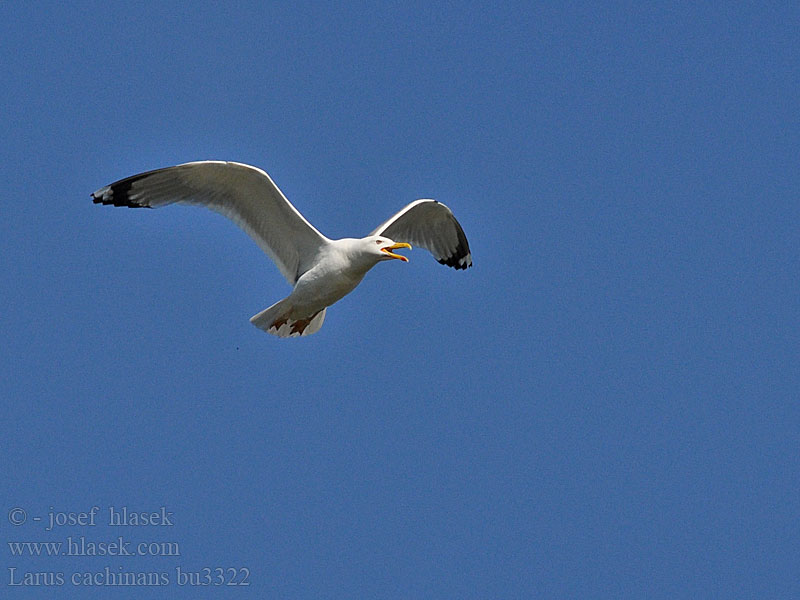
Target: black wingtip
x=461 y=258
x=117 y=194
x=456 y=262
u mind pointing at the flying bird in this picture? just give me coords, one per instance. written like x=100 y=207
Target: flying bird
x=321 y=270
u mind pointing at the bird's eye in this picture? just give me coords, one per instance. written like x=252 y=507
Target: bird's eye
x=378 y=242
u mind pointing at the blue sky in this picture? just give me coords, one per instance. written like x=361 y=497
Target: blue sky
x=605 y=406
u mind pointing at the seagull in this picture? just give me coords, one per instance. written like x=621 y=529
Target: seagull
x=321 y=271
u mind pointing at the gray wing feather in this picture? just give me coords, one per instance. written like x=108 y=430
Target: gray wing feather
x=244 y=194
x=431 y=225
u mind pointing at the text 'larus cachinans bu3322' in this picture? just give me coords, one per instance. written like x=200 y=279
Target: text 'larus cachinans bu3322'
x=321 y=270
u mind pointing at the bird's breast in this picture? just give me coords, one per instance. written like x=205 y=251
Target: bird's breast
x=328 y=282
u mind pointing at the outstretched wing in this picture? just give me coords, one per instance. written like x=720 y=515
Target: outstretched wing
x=244 y=194
x=430 y=225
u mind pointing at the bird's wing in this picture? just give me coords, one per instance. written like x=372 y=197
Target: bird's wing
x=430 y=225
x=244 y=194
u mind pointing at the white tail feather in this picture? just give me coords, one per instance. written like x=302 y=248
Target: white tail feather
x=274 y=320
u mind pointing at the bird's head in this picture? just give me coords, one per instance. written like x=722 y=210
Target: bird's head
x=382 y=248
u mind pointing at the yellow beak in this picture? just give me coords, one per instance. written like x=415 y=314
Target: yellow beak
x=388 y=250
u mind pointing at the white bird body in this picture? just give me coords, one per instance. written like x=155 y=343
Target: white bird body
x=333 y=276
x=321 y=270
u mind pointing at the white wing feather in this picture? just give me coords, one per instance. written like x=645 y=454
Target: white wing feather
x=244 y=194
x=430 y=225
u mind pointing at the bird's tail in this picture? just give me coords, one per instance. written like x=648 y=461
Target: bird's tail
x=275 y=320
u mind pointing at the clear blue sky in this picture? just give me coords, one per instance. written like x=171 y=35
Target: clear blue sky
x=605 y=406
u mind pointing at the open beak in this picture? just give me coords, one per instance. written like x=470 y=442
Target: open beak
x=389 y=249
